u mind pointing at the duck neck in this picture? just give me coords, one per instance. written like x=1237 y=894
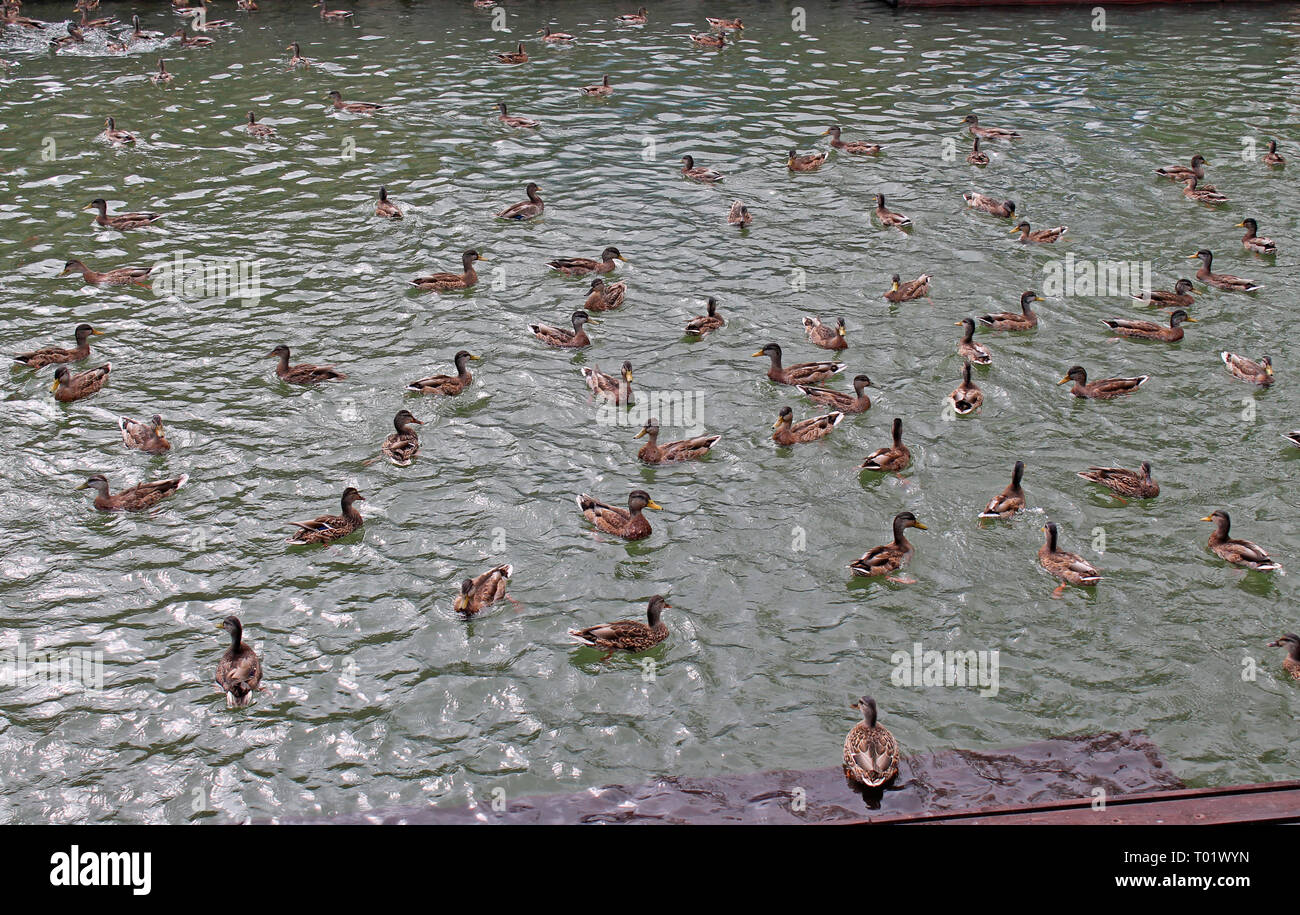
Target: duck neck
x=462 y=365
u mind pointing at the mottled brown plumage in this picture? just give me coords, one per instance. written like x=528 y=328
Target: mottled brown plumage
x=627 y=523
x=239 y=673
x=628 y=635
x=870 y=750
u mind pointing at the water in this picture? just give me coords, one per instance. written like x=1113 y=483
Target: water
x=378 y=696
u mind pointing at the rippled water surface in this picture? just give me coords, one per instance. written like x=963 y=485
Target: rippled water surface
x=377 y=694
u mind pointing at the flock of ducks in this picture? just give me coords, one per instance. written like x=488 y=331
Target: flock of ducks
x=871 y=753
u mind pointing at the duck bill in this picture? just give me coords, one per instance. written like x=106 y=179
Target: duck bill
x=1064 y=380
x=640 y=434
x=83 y=486
x=97 y=333
x=919 y=526
x=1240 y=225
x=759 y=353
x=653 y=504
x=55 y=387
x=1192 y=257
x=1208 y=518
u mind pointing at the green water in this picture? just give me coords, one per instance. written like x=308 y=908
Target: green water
x=377 y=694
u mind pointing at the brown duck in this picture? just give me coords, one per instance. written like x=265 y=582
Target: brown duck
x=555 y=336
x=55 y=355
x=1010 y=500
x=447 y=385
x=150 y=437
x=68 y=387
x=239 y=672
x=673 y=452
x=628 y=635
x=701 y=325
x=136 y=498
x=1238 y=552
x=894 y=458
x=483 y=590
x=857 y=402
x=803 y=373
x=328 y=528
x=303 y=373
x=1102 y=389
x=788 y=432
x=627 y=523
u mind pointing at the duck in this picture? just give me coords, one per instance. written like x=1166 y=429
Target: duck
x=976 y=157
x=150 y=437
x=447 y=385
x=627 y=523
x=825 y=336
x=1292 y=437
x=68 y=387
x=446 y=282
x=1039 y=236
x=511 y=120
x=988 y=133
x=1291 y=642
x=702 y=325
x=1124 y=482
x=1150 y=330
x=889 y=557
x=332 y=15
x=297 y=60
x=788 y=432
x=870 y=751
x=857 y=402
x=640 y=17
x=328 y=528
x=1260 y=373
x=581 y=266
x=1273 y=158
x=1011 y=500
x=1237 y=552
x=912 y=289
x=1102 y=389
x=122 y=222
x=1070 y=568
x=725 y=24
x=1181 y=173
x=739 y=215
x=555 y=336
x=699 y=172
x=1002 y=208
x=601 y=89
x=803 y=373
x=632 y=636
x=254 y=129
x=402 y=444
x=113 y=135
x=514 y=57
x=74 y=36
x=1254 y=242
x=1202 y=194
x=303 y=373
x=385 y=208
x=239 y=672
x=191 y=41
x=809 y=163
x=1223 y=281
x=966 y=397
x=1026 y=319
x=336 y=98
x=604 y=296
x=134 y=499
x=56 y=355
x=688 y=449
x=1178 y=297
x=162 y=76
x=248 y=6
x=887 y=216
x=617 y=389
x=483 y=590
x=706 y=40
x=856 y=147
x=967 y=347
x=525 y=209
x=548 y=35
x=894 y=458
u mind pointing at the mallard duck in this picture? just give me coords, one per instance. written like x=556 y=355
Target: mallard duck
x=548 y=35
x=628 y=635
x=385 y=208
x=12 y=17
x=1293 y=437
x=150 y=437
x=447 y=385
x=870 y=751
x=637 y=18
x=113 y=135
x=1291 y=642
x=239 y=673
x=892 y=459
x=966 y=397
x=1223 y=281
x=162 y=76
x=402 y=445
x=809 y=163
x=617 y=389
x=739 y=214
x=976 y=157
x=1150 y=330
x=1260 y=373
x=857 y=402
x=967 y=347
x=332 y=15
x=1181 y=173
x=889 y=557
x=700 y=325
x=74 y=36
x=788 y=432
x=1253 y=242
x=122 y=222
x=627 y=523
x=1135 y=483
x=988 y=133
x=1039 y=236
x=303 y=373
x=514 y=57
x=1102 y=389
x=483 y=590
x=1010 y=500
x=136 y=498
x=887 y=216
x=68 y=387
x=445 y=282
x=1202 y=194
x=1070 y=568
x=1238 y=552
x=352 y=107
x=685 y=450
x=604 y=296
x=56 y=355
x=1179 y=297
x=1273 y=157
x=297 y=60
x=525 y=209
x=699 y=172
x=601 y=89
x=1003 y=208
x=581 y=266
x=555 y=336
x=803 y=373
x=1010 y=320
x=725 y=24
x=328 y=528
x=825 y=336
x=706 y=40
x=254 y=129
x=101 y=23
x=912 y=289
x=857 y=147
x=191 y=41
x=511 y=120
